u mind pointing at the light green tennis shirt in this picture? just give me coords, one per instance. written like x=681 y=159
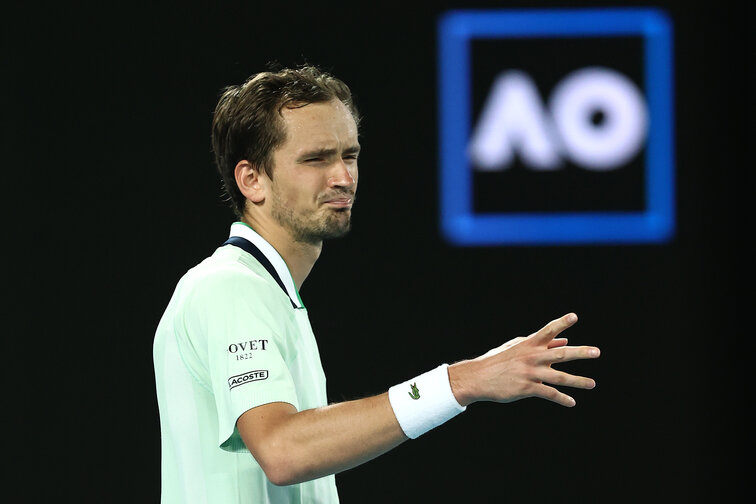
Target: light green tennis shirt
x=232 y=339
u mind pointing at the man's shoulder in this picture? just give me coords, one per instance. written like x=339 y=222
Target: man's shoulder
x=225 y=264
x=229 y=272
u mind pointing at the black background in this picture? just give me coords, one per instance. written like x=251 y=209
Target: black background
x=111 y=196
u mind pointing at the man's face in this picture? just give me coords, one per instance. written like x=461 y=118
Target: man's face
x=315 y=172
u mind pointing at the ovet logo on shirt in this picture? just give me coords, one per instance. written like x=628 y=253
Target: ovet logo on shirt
x=246 y=349
x=249 y=376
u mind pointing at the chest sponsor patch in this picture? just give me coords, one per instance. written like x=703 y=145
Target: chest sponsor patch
x=249 y=376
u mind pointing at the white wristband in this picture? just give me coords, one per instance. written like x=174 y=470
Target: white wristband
x=424 y=402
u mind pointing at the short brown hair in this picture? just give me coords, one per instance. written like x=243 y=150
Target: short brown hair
x=247 y=122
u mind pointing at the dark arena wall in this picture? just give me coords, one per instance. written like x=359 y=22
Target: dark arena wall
x=112 y=195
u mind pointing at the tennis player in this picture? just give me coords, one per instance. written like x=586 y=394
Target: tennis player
x=241 y=391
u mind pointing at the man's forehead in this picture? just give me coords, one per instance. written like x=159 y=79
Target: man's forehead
x=320 y=122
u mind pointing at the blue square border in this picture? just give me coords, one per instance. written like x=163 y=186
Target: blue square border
x=459 y=224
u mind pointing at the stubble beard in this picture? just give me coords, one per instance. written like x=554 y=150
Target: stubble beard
x=312 y=228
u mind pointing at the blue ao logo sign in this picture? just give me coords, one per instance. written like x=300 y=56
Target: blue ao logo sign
x=556 y=127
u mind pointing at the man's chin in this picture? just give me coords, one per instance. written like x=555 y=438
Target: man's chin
x=337 y=231
x=332 y=228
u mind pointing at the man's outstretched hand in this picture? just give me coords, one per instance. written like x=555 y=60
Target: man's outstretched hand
x=521 y=368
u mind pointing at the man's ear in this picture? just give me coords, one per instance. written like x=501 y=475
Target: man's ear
x=250 y=181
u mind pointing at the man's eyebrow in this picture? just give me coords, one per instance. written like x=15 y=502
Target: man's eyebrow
x=324 y=152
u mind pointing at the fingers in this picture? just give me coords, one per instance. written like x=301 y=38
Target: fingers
x=522 y=367
x=557 y=342
x=567 y=353
x=554 y=328
x=555 y=377
x=552 y=394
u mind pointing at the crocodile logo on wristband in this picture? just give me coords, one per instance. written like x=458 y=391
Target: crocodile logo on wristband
x=415 y=394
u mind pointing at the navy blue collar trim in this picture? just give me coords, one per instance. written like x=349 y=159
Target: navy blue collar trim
x=250 y=248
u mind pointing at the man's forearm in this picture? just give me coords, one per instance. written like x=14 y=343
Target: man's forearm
x=300 y=446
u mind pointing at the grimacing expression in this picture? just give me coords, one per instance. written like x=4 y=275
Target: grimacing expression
x=315 y=172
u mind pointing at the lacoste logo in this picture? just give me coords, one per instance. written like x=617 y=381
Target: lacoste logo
x=415 y=394
x=248 y=377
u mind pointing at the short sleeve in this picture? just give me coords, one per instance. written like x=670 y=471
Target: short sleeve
x=238 y=336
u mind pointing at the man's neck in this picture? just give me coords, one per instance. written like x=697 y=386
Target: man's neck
x=299 y=257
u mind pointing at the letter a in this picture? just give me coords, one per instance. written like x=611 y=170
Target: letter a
x=513 y=120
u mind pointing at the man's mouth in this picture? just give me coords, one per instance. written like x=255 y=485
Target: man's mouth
x=340 y=201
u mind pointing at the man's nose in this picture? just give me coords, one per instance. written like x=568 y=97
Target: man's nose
x=344 y=174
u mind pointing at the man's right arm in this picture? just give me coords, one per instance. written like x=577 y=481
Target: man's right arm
x=294 y=446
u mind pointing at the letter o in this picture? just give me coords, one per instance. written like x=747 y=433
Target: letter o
x=232 y=348
x=605 y=146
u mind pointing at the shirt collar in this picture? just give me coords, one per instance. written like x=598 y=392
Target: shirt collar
x=243 y=230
